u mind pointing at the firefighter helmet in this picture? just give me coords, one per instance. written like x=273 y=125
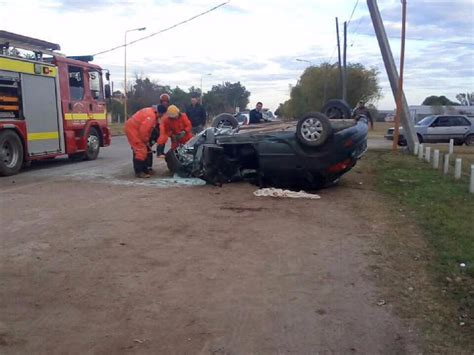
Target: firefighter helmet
x=164 y=97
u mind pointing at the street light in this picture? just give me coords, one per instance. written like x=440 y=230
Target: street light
x=200 y=100
x=125 y=71
x=304 y=60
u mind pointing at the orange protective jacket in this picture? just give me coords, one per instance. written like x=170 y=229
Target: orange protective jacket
x=138 y=130
x=170 y=127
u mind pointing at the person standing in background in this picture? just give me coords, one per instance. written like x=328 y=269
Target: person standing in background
x=255 y=115
x=196 y=114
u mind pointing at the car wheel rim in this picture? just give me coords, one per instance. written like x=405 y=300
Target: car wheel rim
x=311 y=129
x=9 y=155
x=92 y=143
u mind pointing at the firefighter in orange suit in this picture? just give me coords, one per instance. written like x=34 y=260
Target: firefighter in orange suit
x=174 y=125
x=139 y=129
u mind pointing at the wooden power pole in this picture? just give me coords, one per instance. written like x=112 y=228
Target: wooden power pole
x=344 y=64
x=408 y=125
x=339 y=58
x=396 y=131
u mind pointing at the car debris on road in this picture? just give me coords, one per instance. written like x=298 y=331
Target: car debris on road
x=273 y=192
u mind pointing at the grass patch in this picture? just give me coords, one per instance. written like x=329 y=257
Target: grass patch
x=444 y=209
x=116 y=129
x=380 y=129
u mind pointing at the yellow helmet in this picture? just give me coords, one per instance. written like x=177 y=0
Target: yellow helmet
x=172 y=111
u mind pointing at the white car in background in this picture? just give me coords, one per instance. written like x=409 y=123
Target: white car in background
x=268 y=115
x=242 y=117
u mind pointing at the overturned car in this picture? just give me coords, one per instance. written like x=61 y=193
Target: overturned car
x=311 y=153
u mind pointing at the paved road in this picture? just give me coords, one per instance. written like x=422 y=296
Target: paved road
x=379 y=143
x=113 y=166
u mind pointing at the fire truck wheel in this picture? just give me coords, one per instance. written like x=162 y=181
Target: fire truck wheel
x=11 y=153
x=93 y=144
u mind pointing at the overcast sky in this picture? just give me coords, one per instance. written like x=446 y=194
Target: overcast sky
x=256 y=42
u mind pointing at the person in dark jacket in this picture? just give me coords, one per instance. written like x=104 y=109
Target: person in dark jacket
x=255 y=115
x=362 y=110
x=197 y=115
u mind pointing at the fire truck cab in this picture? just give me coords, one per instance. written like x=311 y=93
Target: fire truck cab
x=50 y=105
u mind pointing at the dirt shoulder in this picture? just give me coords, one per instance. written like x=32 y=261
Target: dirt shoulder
x=191 y=270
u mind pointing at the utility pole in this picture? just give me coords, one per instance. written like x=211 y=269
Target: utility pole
x=396 y=131
x=390 y=67
x=344 y=60
x=339 y=57
x=125 y=114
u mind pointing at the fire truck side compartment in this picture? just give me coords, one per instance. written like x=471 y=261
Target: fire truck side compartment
x=40 y=108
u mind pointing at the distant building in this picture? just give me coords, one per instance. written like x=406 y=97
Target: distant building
x=418 y=112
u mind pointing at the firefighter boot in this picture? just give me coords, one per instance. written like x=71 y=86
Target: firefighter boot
x=140 y=169
x=142 y=175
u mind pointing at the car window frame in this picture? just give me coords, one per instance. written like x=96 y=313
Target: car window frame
x=464 y=120
x=438 y=120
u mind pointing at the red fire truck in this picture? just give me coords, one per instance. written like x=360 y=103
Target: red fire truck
x=50 y=105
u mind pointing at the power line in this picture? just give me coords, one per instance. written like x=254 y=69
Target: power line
x=165 y=29
x=422 y=39
x=352 y=14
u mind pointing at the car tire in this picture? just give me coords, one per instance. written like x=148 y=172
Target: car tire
x=172 y=161
x=402 y=142
x=11 y=153
x=313 y=129
x=469 y=140
x=93 y=144
x=337 y=109
x=225 y=120
x=420 y=138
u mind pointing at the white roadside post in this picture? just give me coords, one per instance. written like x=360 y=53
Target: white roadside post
x=471 y=185
x=428 y=154
x=457 y=169
x=436 y=159
x=420 y=152
x=417 y=146
x=446 y=164
x=451 y=146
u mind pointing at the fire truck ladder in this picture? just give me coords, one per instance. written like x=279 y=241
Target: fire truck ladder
x=37 y=46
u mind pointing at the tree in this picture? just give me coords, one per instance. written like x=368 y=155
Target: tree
x=438 y=101
x=320 y=83
x=180 y=98
x=226 y=98
x=144 y=93
x=221 y=98
x=466 y=99
x=115 y=108
x=195 y=91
